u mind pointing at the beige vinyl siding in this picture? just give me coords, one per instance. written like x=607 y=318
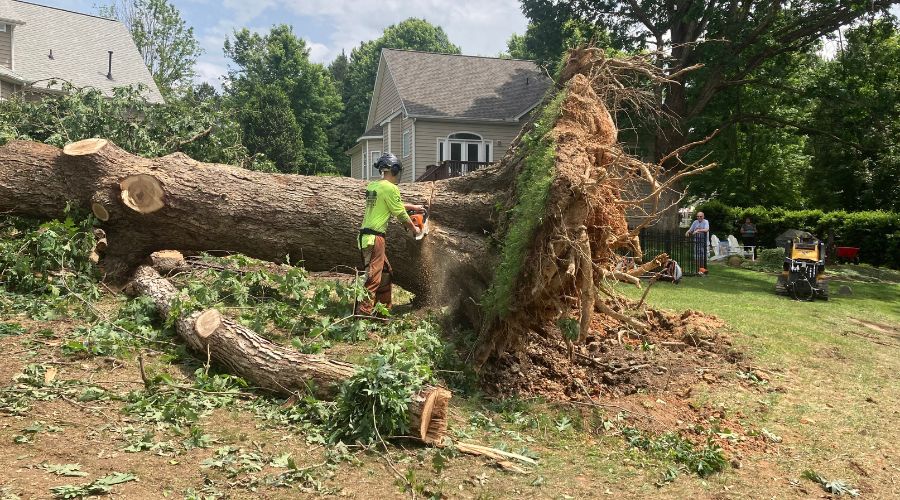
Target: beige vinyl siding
x=7 y=90
x=396 y=131
x=6 y=47
x=356 y=154
x=388 y=100
x=408 y=174
x=428 y=131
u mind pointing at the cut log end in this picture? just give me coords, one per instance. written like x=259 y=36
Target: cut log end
x=429 y=413
x=142 y=193
x=166 y=261
x=100 y=211
x=85 y=147
x=207 y=323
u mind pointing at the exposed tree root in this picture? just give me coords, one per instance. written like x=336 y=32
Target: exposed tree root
x=583 y=228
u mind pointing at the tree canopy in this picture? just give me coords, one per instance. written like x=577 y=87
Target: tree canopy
x=286 y=104
x=856 y=118
x=730 y=40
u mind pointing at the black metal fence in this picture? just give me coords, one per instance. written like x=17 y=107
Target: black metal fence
x=689 y=254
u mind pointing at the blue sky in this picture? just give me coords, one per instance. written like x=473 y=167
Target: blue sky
x=480 y=27
x=329 y=26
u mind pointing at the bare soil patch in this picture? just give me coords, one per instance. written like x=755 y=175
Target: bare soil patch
x=680 y=350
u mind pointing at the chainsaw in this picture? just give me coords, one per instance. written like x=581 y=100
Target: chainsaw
x=420 y=220
x=420 y=217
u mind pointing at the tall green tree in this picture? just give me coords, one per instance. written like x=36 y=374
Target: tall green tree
x=554 y=27
x=411 y=34
x=286 y=103
x=856 y=144
x=166 y=43
x=732 y=40
x=761 y=145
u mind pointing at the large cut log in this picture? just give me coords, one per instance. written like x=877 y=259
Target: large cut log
x=175 y=203
x=270 y=366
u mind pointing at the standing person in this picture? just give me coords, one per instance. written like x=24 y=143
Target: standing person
x=700 y=230
x=382 y=201
x=748 y=234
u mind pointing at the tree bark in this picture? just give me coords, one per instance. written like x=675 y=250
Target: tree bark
x=176 y=203
x=270 y=366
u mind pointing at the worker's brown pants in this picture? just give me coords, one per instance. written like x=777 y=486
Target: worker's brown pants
x=378 y=276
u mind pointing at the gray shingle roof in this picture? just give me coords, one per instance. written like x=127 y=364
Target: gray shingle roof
x=376 y=131
x=79 y=43
x=468 y=87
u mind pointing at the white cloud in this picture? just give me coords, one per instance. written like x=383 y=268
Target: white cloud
x=209 y=72
x=318 y=52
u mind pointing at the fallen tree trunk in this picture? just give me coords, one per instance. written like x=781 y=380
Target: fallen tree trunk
x=270 y=366
x=513 y=247
x=175 y=203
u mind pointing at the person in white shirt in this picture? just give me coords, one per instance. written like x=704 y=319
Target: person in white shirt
x=700 y=231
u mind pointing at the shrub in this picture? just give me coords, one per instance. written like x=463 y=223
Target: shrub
x=876 y=233
x=769 y=259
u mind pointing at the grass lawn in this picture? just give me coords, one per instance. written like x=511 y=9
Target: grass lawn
x=838 y=362
x=832 y=401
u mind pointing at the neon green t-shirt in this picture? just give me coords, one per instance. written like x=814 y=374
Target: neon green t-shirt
x=382 y=201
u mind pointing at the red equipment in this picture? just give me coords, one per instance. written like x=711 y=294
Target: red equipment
x=847 y=254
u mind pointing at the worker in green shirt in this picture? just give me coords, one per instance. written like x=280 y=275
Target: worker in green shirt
x=382 y=201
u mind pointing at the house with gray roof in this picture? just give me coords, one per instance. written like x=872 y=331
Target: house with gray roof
x=40 y=45
x=445 y=115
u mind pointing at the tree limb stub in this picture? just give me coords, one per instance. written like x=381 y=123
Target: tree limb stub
x=207 y=323
x=99 y=211
x=85 y=147
x=279 y=369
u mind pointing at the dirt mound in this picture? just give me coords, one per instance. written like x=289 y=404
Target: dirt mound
x=678 y=351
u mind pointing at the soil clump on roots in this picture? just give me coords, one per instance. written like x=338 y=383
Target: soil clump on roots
x=676 y=352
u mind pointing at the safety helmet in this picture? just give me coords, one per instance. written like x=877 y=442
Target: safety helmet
x=389 y=162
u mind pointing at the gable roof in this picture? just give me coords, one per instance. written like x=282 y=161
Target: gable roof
x=80 y=45
x=451 y=86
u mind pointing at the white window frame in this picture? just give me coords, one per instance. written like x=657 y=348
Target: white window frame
x=406 y=143
x=3 y=28
x=482 y=157
x=373 y=173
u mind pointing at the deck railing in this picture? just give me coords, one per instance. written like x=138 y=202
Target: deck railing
x=451 y=168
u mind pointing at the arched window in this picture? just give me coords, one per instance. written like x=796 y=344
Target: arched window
x=466 y=150
x=465 y=136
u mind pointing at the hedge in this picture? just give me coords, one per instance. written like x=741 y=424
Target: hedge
x=876 y=233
